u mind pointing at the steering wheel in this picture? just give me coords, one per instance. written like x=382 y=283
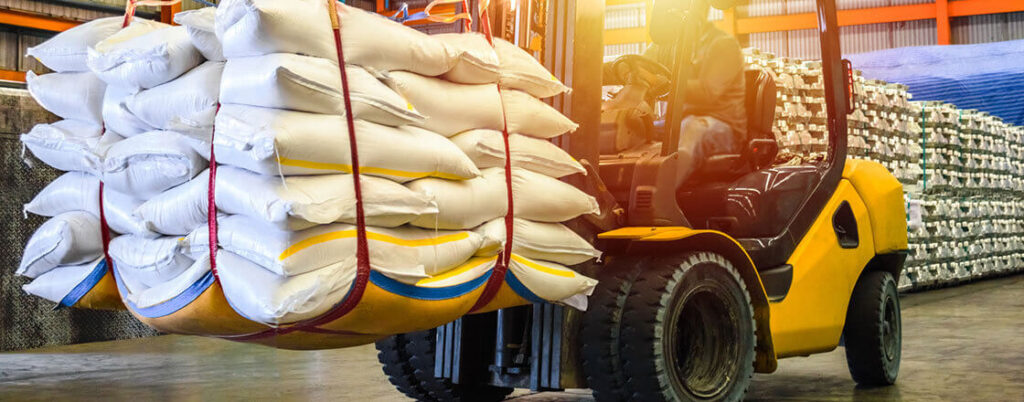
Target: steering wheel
x=634 y=69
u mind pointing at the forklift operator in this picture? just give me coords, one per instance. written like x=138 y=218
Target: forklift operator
x=714 y=116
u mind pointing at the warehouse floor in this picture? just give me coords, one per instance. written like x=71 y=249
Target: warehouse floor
x=963 y=343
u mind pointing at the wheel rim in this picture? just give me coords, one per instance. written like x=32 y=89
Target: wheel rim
x=704 y=342
x=890 y=329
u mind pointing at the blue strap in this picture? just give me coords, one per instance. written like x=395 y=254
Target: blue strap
x=423 y=293
x=84 y=286
x=174 y=304
x=521 y=289
x=402 y=15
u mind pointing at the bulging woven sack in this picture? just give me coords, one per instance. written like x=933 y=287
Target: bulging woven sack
x=469 y=203
x=553 y=282
x=273 y=141
x=144 y=263
x=57 y=283
x=148 y=164
x=310 y=84
x=477 y=62
x=77 y=191
x=67 y=51
x=292 y=203
x=139 y=296
x=144 y=59
x=258 y=27
x=487 y=149
x=522 y=71
x=185 y=105
x=452 y=108
x=414 y=252
x=200 y=26
x=68 y=145
x=116 y=115
x=77 y=96
x=70 y=238
x=538 y=241
x=72 y=191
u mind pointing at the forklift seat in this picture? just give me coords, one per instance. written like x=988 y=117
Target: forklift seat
x=761 y=146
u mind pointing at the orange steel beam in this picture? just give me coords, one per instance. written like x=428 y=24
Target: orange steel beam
x=35 y=21
x=8 y=75
x=167 y=13
x=943 y=33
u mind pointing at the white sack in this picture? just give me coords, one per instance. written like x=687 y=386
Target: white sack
x=143 y=296
x=263 y=296
x=119 y=209
x=146 y=60
x=530 y=116
x=116 y=115
x=452 y=108
x=72 y=191
x=537 y=240
x=487 y=149
x=149 y=262
x=77 y=96
x=553 y=282
x=200 y=26
x=66 y=239
x=68 y=50
x=469 y=203
x=477 y=62
x=310 y=84
x=56 y=283
x=273 y=141
x=520 y=70
x=185 y=105
x=67 y=145
x=147 y=164
x=296 y=203
x=259 y=27
x=406 y=249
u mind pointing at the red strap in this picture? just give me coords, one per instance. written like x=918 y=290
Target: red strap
x=211 y=198
x=129 y=13
x=355 y=294
x=105 y=232
x=501 y=267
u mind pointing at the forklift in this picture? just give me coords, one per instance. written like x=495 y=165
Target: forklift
x=701 y=286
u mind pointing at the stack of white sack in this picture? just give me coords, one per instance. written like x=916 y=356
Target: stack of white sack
x=284 y=192
x=127 y=95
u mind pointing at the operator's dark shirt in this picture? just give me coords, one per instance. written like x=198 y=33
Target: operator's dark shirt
x=717 y=87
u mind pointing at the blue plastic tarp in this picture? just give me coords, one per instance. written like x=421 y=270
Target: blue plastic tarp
x=988 y=77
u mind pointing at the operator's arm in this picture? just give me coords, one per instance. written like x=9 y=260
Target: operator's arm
x=721 y=65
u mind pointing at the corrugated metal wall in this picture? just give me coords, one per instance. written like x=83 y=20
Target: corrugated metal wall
x=804 y=44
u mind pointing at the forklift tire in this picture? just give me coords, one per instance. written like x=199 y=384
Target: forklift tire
x=873 y=332
x=408 y=361
x=689 y=331
x=601 y=330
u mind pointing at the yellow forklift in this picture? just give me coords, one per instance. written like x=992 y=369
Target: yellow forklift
x=700 y=286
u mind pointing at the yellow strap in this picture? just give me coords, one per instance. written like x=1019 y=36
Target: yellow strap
x=345 y=168
x=543 y=268
x=461 y=269
x=345 y=234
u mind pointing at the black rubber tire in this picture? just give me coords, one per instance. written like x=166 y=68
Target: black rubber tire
x=873 y=332
x=600 y=333
x=414 y=376
x=693 y=291
x=395 y=363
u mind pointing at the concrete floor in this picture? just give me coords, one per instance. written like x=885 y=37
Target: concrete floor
x=962 y=344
